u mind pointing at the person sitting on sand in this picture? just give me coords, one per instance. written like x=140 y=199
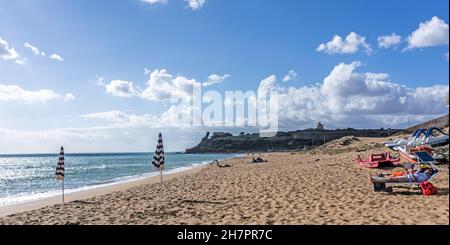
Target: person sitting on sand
x=219 y=165
x=422 y=174
x=258 y=160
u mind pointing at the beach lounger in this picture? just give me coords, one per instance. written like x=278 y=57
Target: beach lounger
x=407 y=152
x=403 y=141
x=377 y=160
x=433 y=137
x=435 y=140
x=382 y=183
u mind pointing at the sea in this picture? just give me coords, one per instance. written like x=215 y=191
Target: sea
x=25 y=178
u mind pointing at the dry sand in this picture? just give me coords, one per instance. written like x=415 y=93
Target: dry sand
x=325 y=187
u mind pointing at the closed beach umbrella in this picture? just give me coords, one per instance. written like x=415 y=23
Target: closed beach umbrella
x=59 y=175
x=158 y=158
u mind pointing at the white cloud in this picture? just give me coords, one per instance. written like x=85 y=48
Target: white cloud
x=21 y=61
x=292 y=75
x=431 y=33
x=8 y=53
x=192 y=4
x=10 y=93
x=56 y=57
x=215 y=79
x=118 y=137
x=154 y=1
x=99 y=81
x=119 y=117
x=349 y=98
x=33 y=49
x=352 y=44
x=110 y=116
x=163 y=86
x=389 y=41
x=168 y=119
x=348 y=91
x=121 y=88
x=268 y=84
x=195 y=4
x=69 y=97
x=345 y=97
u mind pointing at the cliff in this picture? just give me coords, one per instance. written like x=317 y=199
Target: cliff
x=221 y=142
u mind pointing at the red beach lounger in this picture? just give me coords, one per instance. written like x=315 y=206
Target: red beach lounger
x=376 y=160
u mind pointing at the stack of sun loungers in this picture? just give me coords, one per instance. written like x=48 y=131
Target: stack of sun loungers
x=416 y=153
x=382 y=183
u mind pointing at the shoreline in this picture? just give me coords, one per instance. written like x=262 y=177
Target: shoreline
x=95 y=191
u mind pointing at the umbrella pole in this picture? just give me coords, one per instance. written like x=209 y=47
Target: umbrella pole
x=161 y=176
x=62 y=189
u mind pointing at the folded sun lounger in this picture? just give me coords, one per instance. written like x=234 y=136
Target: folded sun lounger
x=377 y=160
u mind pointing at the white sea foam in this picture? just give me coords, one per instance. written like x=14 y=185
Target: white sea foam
x=34 y=196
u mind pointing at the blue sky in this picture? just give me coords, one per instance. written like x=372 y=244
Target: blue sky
x=248 y=40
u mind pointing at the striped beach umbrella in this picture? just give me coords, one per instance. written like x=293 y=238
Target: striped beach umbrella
x=59 y=175
x=158 y=158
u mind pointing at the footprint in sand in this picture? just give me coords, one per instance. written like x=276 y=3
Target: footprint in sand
x=388 y=204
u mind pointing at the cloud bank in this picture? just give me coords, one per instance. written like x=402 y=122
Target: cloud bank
x=14 y=93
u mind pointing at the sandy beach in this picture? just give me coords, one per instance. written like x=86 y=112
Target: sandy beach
x=85 y=194
x=317 y=188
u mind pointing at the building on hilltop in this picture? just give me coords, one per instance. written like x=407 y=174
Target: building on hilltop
x=221 y=134
x=320 y=126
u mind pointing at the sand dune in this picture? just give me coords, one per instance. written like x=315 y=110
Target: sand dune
x=292 y=188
